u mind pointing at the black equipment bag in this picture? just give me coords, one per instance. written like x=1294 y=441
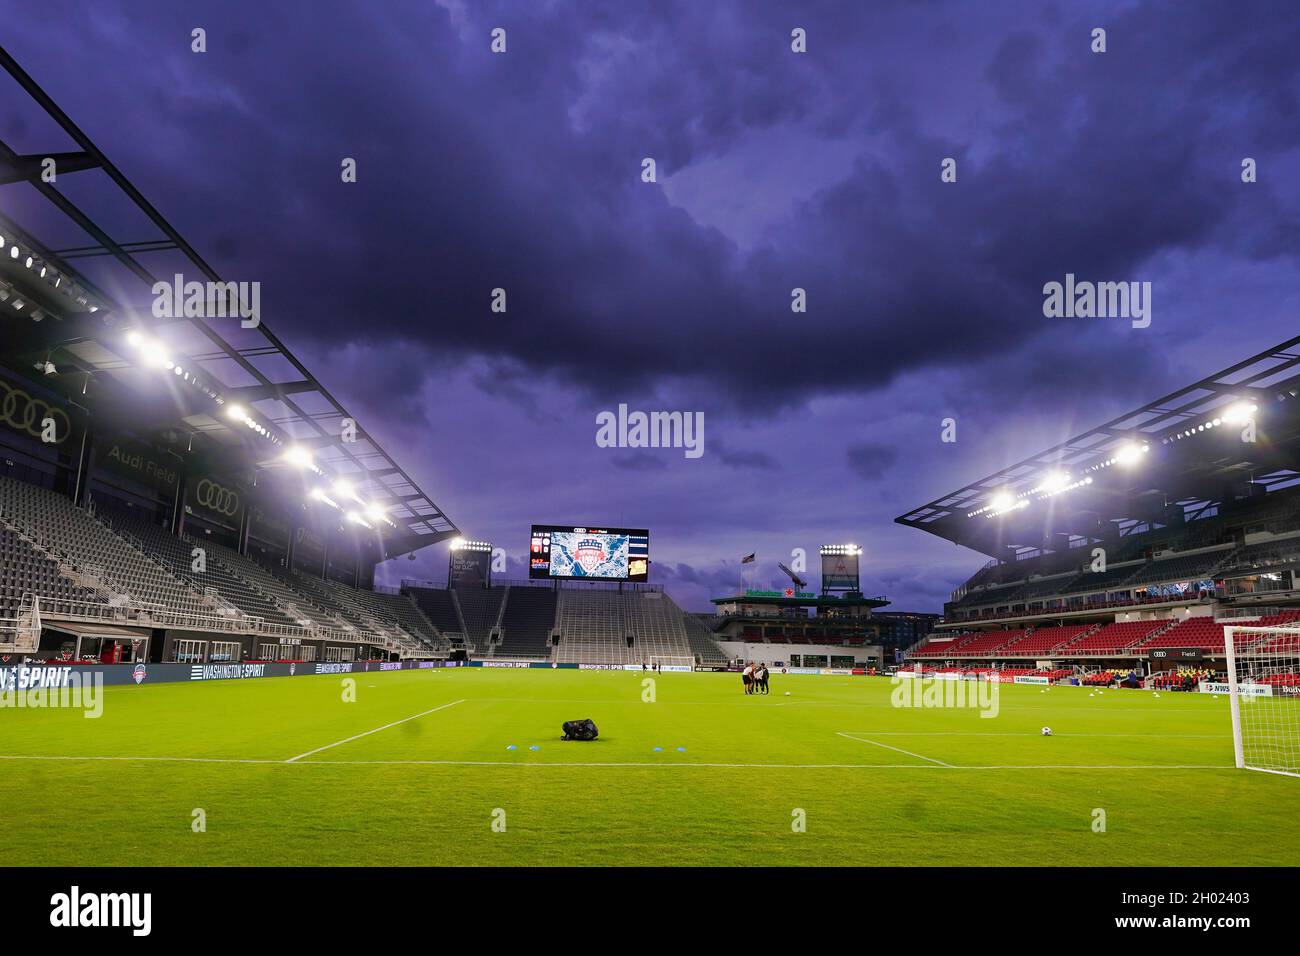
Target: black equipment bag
x=580 y=729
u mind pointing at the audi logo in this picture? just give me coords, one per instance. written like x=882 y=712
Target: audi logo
x=214 y=497
x=25 y=414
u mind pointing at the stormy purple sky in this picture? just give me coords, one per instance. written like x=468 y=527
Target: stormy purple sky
x=776 y=170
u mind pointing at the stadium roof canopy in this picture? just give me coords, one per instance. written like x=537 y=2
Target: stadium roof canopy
x=1176 y=459
x=239 y=395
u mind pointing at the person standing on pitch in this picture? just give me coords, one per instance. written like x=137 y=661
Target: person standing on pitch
x=761 y=676
x=748 y=676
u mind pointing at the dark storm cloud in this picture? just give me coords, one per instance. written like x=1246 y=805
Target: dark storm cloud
x=818 y=171
x=533 y=159
x=742 y=458
x=869 y=461
x=640 y=461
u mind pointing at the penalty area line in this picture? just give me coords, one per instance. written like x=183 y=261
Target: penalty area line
x=367 y=733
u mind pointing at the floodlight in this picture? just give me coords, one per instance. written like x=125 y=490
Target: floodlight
x=1130 y=453
x=319 y=495
x=297 y=455
x=1054 y=482
x=1240 y=413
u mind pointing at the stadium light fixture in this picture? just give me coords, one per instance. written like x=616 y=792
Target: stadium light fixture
x=1002 y=501
x=318 y=494
x=1240 y=412
x=461 y=544
x=299 y=456
x=151 y=351
x=1130 y=454
x=344 y=488
x=356 y=518
x=1056 y=481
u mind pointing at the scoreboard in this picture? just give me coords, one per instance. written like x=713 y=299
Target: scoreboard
x=592 y=554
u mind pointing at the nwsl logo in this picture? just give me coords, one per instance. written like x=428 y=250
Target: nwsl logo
x=138 y=673
x=589 y=554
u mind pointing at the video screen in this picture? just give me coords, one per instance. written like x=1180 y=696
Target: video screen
x=594 y=554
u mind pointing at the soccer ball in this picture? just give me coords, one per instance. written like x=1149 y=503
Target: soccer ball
x=787 y=693
x=1047 y=731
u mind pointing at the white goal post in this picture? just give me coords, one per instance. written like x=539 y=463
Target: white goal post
x=1264 y=696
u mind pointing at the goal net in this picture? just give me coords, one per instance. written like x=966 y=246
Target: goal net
x=1264 y=695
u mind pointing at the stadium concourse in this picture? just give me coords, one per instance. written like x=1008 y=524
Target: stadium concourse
x=1122 y=554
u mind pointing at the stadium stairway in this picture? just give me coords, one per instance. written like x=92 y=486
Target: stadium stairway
x=1042 y=641
x=479 y=609
x=528 y=616
x=656 y=628
x=708 y=653
x=591 y=627
x=100 y=562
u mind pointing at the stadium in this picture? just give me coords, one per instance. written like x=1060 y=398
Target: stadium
x=199 y=652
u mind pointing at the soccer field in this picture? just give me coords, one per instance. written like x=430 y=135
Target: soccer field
x=417 y=768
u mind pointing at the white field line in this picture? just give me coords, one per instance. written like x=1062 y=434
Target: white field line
x=900 y=750
x=367 y=733
x=1023 y=733
x=663 y=765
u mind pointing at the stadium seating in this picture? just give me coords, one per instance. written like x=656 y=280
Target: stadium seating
x=438 y=607
x=1115 y=637
x=707 y=651
x=396 y=608
x=24 y=570
x=526 y=623
x=1102 y=678
x=479 y=608
x=591 y=628
x=99 y=561
x=1195 y=632
x=115 y=563
x=989 y=642
x=943 y=648
x=655 y=624
x=175 y=554
x=1044 y=640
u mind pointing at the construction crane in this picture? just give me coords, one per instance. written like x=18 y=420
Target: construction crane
x=799 y=582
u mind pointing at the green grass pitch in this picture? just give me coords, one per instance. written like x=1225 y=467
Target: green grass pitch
x=877 y=784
